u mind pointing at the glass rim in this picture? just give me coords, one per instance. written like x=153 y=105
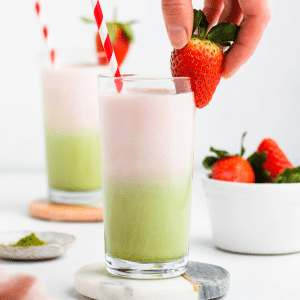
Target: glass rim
x=142 y=77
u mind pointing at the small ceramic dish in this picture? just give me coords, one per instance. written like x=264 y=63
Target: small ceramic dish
x=255 y=218
x=57 y=244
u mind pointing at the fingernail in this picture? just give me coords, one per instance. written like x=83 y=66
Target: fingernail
x=228 y=75
x=177 y=35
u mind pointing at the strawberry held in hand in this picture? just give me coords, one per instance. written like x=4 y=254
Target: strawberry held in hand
x=201 y=59
x=229 y=167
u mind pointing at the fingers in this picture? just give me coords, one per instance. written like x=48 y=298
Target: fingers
x=212 y=10
x=257 y=14
x=178 y=17
x=232 y=12
x=253 y=17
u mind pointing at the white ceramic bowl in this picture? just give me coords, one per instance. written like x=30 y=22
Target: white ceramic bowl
x=57 y=244
x=254 y=218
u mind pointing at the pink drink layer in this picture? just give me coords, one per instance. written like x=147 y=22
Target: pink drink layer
x=147 y=151
x=145 y=134
x=70 y=97
x=72 y=127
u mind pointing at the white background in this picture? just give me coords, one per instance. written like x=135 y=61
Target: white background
x=262 y=98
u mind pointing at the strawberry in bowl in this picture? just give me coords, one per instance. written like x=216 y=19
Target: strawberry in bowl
x=276 y=161
x=259 y=216
x=268 y=164
x=229 y=167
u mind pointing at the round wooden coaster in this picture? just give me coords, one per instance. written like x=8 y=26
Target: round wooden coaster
x=200 y=281
x=44 y=209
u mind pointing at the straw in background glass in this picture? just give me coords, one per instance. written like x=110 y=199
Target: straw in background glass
x=47 y=37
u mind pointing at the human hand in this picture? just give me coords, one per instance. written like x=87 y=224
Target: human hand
x=252 y=16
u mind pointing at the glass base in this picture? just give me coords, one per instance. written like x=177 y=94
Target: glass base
x=67 y=197
x=139 y=270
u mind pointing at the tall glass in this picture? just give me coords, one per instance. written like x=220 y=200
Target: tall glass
x=72 y=128
x=147 y=142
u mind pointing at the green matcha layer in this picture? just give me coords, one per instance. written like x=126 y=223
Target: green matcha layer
x=148 y=222
x=74 y=161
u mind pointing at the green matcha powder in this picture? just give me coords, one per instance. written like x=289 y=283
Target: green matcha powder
x=29 y=240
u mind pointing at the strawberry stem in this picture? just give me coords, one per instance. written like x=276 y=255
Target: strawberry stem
x=222 y=33
x=200 y=24
x=209 y=161
x=115 y=15
x=242 y=144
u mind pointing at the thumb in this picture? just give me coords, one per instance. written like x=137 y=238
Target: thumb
x=178 y=16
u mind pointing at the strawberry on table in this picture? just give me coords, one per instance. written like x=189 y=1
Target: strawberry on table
x=201 y=59
x=228 y=167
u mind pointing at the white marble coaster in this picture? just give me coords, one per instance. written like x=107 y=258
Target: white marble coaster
x=201 y=281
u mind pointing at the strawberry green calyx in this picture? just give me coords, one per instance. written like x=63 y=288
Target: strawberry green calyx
x=125 y=27
x=200 y=23
x=222 y=33
x=209 y=161
x=288 y=176
x=88 y=20
x=256 y=161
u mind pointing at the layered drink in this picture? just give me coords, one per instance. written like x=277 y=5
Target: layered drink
x=147 y=163
x=72 y=133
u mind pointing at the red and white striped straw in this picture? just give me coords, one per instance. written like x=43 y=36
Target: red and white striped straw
x=107 y=45
x=47 y=37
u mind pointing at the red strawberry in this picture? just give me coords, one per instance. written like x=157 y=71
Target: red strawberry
x=276 y=161
x=234 y=168
x=121 y=36
x=120 y=43
x=201 y=59
x=229 y=167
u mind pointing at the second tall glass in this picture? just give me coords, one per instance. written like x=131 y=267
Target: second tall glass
x=147 y=142
x=72 y=127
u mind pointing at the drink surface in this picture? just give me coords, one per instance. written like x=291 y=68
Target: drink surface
x=147 y=160
x=72 y=127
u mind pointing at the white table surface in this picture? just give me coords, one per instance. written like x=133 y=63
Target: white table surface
x=252 y=277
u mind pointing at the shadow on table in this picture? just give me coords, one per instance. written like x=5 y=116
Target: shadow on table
x=206 y=243
x=76 y=295
x=27 y=261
